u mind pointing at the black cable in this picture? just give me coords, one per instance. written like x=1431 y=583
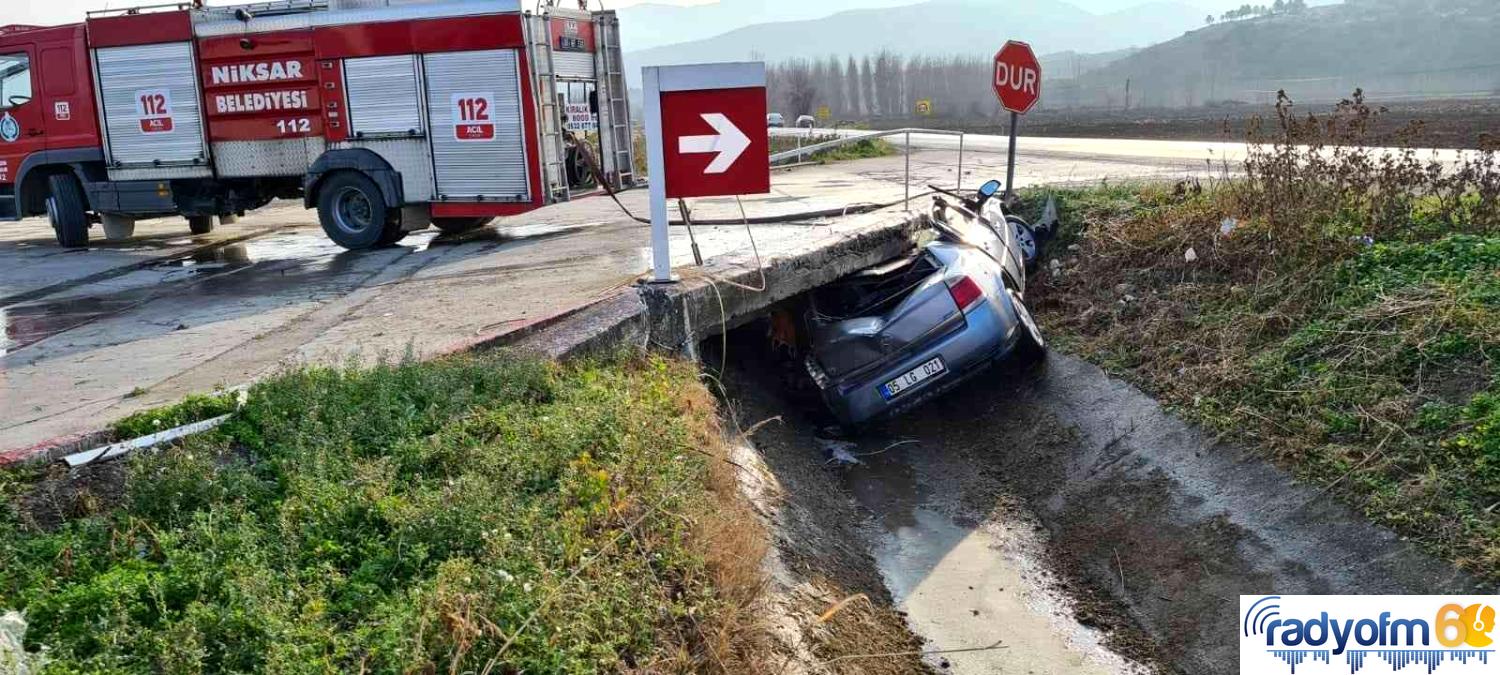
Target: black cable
x=866 y=207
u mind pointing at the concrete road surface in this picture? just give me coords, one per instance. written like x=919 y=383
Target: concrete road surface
x=94 y=334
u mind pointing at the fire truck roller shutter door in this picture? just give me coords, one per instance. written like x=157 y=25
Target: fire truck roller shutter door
x=478 y=141
x=152 y=115
x=383 y=96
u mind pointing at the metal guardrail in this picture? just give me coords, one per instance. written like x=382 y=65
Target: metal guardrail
x=799 y=152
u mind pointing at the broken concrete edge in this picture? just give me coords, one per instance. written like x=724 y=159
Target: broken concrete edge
x=671 y=317
x=674 y=317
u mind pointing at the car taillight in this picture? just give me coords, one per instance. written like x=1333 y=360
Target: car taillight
x=965 y=293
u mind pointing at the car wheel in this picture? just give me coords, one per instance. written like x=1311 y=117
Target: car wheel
x=1030 y=345
x=66 y=211
x=1025 y=240
x=117 y=227
x=460 y=225
x=353 y=213
x=200 y=224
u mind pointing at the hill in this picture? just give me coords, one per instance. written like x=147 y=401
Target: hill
x=1391 y=48
x=935 y=28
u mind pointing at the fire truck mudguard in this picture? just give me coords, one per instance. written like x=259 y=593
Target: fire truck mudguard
x=31 y=177
x=360 y=160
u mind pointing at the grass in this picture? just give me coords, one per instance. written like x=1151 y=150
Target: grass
x=873 y=147
x=476 y=514
x=1371 y=372
x=1340 y=309
x=193 y=408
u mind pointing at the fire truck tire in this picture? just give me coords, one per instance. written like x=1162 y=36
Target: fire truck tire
x=457 y=225
x=117 y=227
x=200 y=224
x=353 y=214
x=66 y=210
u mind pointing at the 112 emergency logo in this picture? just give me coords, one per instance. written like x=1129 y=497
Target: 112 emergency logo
x=1342 y=633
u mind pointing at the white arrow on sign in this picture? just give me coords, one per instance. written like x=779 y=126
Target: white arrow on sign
x=730 y=143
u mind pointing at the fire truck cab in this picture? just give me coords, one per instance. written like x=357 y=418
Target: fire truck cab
x=386 y=116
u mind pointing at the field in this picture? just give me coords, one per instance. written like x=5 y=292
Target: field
x=1446 y=123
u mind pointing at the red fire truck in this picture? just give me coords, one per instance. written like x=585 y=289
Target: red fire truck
x=385 y=115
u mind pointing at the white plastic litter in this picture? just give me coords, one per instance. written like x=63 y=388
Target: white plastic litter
x=1048 y=221
x=1227 y=225
x=13 y=656
x=114 y=450
x=1191 y=255
x=839 y=451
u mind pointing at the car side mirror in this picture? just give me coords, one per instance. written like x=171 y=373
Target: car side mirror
x=19 y=100
x=989 y=189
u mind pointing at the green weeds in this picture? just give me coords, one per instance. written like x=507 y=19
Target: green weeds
x=1338 y=307
x=460 y=515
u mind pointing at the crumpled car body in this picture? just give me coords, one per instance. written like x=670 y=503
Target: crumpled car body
x=895 y=335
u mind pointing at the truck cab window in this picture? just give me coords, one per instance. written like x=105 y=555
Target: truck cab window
x=15 y=80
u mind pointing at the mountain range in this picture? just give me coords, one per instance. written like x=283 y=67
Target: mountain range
x=1388 y=48
x=933 y=28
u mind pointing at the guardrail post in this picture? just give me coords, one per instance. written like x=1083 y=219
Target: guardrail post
x=905 y=203
x=959 y=186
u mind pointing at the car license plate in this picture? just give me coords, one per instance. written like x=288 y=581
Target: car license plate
x=911 y=378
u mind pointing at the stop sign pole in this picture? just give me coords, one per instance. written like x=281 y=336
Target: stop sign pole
x=1018 y=85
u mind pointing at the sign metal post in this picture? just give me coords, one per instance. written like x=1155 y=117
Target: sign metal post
x=1018 y=85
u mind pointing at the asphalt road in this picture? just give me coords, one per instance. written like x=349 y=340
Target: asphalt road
x=1193 y=156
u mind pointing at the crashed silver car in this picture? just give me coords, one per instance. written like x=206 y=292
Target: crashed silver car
x=892 y=336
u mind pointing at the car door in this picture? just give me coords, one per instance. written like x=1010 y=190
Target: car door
x=66 y=101
x=22 y=125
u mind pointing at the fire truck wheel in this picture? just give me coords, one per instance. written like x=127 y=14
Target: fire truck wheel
x=457 y=225
x=65 y=209
x=117 y=227
x=200 y=224
x=353 y=214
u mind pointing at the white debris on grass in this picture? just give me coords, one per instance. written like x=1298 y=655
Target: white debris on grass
x=1191 y=255
x=1227 y=225
x=1049 y=219
x=840 y=452
x=13 y=656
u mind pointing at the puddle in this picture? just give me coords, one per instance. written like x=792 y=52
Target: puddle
x=977 y=586
x=299 y=263
x=28 y=324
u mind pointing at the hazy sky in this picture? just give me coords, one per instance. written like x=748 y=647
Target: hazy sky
x=47 y=12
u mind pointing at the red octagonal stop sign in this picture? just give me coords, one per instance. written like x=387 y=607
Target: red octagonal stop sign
x=714 y=142
x=1018 y=77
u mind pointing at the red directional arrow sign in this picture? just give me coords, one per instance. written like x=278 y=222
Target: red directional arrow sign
x=705 y=136
x=1018 y=77
x=714 y=142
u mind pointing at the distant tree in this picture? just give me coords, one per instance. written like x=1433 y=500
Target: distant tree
x=1208 y=20
x=800 y=90
x=854 y=99
x=870 y=96
x=1278 y=7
